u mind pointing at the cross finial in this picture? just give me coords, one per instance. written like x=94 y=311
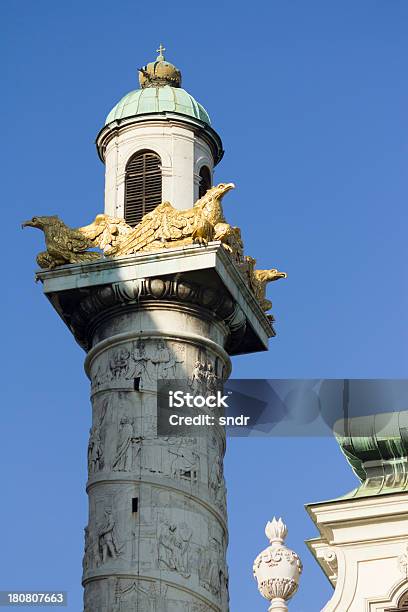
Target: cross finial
x=160 y=52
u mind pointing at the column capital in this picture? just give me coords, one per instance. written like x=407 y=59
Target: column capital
x=189 y=277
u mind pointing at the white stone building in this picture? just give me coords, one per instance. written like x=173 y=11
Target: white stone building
x=363 y=542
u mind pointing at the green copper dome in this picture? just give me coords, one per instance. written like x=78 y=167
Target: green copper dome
x=158 y=100
x=160 y=92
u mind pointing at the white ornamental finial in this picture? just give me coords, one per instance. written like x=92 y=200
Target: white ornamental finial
x=277 y=569
x=276 y=530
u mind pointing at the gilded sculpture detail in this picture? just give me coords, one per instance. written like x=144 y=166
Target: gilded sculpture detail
x=162 y=228
x=66 y=245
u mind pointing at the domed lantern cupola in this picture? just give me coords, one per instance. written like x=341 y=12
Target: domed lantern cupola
x=157 y=145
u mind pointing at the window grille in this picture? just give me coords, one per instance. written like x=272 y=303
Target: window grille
x=143 y=185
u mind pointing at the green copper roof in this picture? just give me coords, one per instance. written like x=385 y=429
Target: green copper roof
x=158 y=100
x=376 y=447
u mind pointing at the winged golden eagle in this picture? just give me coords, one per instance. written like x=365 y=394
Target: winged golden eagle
x=165 y=226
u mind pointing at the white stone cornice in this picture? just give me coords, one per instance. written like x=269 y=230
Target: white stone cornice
x=361 y=549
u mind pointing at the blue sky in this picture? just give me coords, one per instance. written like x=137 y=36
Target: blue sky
x=310 y=99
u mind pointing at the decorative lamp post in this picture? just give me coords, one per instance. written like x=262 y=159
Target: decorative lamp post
x=277 y=569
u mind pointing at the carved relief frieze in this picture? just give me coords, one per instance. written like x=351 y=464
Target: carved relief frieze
x=108 y=544
x=127 y=448
x=185 y=461
x=272 y=557
x=131 y=595
x=87 y=561
x=209 y=569
x=145 y=360
x=173 y=547
x=92 y=556
x=95 y=450
x=95 y=445
x=156 y=360
x=204 y=380
x=119 y=364
x=217 y=483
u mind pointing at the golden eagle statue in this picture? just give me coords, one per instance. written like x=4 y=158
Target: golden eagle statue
x=66 y=245
x=163 y=227
x=167 y=226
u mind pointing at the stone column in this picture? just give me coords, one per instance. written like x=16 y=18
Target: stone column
x=157 y=535
x=157 y=532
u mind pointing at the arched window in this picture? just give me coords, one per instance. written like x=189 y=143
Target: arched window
x=205 y=181
x=402 y=604
x=143 y=185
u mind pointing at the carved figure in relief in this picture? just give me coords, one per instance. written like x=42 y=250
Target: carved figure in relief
x=92 y=552
x=123 y=461
x=163 y=359
x=99 y=376
x=149 y=361
x=209 y=568
x=216 y=483
x=211 y=380
x=118 y=363
x=87 y=558
x=173 y=546
x=185 y=464
x=95 y=450
x=182 y=547
x=103 y=410
x=107 y=539
x=153 y=362
x=168 y=360
x=203 y=379
x=197 y=378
